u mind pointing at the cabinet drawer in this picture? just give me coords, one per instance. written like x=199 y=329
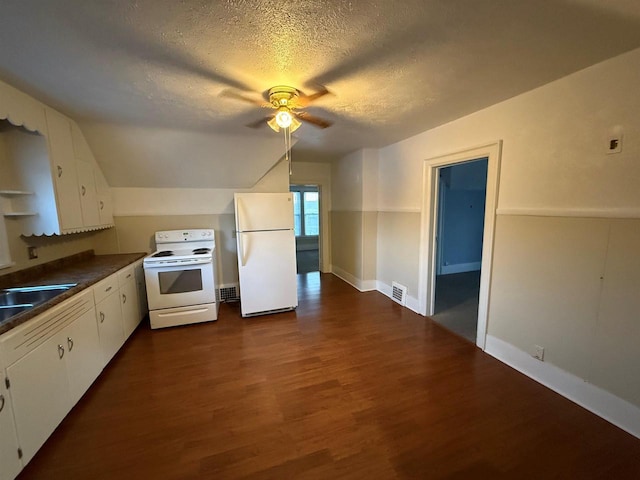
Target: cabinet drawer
x=126 y=274
x=104 y=288
x=21 y=340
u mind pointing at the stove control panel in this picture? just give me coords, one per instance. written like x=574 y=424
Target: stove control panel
x=178 y=236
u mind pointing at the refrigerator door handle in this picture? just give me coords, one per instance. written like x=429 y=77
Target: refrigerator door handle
x=240 y=215
x=241 y=245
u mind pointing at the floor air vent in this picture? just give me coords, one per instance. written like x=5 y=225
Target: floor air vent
x=229 y=293
x=399 y=293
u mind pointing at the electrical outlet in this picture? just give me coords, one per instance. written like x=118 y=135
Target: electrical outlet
x=538 y=352
x=614 y=143
x=33 y=253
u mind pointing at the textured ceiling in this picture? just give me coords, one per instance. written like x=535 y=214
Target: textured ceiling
x=395 y=68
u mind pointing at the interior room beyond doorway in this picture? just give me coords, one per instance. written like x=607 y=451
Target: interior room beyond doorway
x=306 y=211
x=460 y=224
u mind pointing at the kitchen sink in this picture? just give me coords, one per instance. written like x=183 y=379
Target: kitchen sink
x=16 y=300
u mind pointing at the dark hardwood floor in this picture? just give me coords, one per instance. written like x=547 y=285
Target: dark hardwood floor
x=351 y=385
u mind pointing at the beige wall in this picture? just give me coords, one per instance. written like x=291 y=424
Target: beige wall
x=136 y=234
x=354 y=218
x=571 y=286
x=49 y=248
x=566 y=215
x=346 y=244
x=398 y=237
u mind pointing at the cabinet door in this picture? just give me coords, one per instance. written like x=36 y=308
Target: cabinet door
x=63 y=166
x=40 y=394
x=88 y=195
x=130 y=307
x=10 y=463
x=109 y=317
x=84 y=358
x=105 y=209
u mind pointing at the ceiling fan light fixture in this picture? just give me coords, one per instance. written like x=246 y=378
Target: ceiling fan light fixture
x=284 y=117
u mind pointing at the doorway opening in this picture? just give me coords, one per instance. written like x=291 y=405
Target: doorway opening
x=306 y=212
x=460 y=224
x=429 y=229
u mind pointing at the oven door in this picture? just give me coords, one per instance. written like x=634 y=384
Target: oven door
x=171 y=286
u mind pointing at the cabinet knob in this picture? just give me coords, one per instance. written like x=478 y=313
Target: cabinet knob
x=101 y=205
x=60 y=351
x=124 y=298
x=59 y=171
x=84 y=190
x=101 y=317
x=70 y=343
x=1 y=402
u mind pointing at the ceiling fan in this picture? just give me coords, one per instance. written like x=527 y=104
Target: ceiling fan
x=287 y=103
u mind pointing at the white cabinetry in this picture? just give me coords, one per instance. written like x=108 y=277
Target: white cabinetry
x=50 y=158
x=95 y=196
x=54 y=358
x=44 y=357
x=10 y=463
x=109 y=316
x=63 y=165
x=129 y=301
x=88 y=194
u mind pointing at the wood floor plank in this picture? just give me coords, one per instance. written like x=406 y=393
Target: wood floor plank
x=349 y=386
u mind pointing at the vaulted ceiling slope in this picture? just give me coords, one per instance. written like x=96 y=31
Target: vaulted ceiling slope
x=394 y=68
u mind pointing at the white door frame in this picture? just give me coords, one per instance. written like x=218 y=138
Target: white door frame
x=428 y=230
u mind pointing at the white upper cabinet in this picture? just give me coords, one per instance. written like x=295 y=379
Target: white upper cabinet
x=95 y=196
x=50 y=182
x=63 y=164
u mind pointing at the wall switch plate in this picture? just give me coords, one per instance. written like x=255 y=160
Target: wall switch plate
x=614 y=143
x=538 y=352
x=33 y=253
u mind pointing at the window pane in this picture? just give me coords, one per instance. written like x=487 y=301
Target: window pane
x=297 y=227
x=311 y=209
x=311 y=226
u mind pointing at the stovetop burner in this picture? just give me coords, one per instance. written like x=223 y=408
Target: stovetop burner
x=201 y=251
x=164 y=253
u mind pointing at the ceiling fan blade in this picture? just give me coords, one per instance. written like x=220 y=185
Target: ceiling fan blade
x=304 y=100
x=260 y=123
x=238 y=96
x=313 y=120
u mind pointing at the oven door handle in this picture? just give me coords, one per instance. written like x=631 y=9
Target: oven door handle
x=177 y=265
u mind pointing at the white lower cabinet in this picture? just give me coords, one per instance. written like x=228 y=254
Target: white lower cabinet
x=109 y=316
x=10 y=463
x=84 y=359
x=129 y=301
x=40 y=393
x=43 y=357
x=53 y=359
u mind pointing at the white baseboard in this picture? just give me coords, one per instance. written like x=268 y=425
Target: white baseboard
x=604 y=404
x=460 y=268
x=411 y=302
x=361 y=285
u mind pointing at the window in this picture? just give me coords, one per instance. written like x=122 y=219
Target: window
x=306 y=210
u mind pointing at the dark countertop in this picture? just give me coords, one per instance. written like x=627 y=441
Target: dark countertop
x=85 y=269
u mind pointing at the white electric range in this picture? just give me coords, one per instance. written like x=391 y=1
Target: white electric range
x=181 y=278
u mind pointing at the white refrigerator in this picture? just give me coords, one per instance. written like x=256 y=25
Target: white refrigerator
x=266 y=252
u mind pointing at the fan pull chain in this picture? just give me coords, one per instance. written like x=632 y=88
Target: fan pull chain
x=287 y=147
